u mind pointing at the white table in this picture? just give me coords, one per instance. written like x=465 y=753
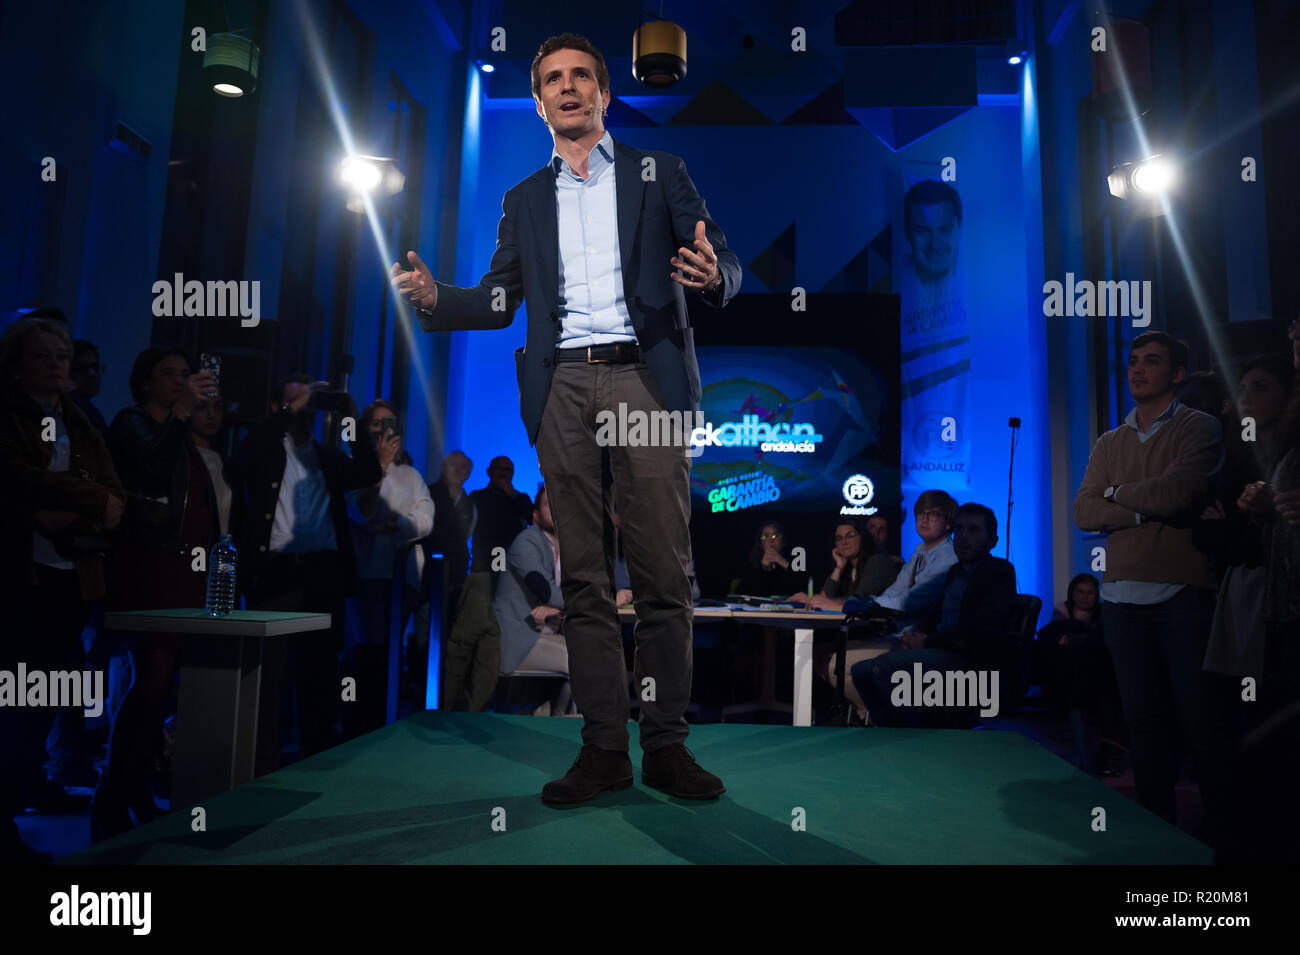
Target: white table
x=803 y=623
x=220 y=682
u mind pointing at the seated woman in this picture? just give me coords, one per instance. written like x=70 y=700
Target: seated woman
x=1077 y=672
x=860 y=570
x=768 y=571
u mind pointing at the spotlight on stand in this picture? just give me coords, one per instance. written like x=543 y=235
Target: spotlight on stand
x=659 y=54
x=230 y=64
x=377 y=175
x=1150 y=178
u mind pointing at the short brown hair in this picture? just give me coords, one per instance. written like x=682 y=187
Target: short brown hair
x=569 y=41
x=1175 y=348
x=940 y=499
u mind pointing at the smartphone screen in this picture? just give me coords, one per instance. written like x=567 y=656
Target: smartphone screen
x=212 y=365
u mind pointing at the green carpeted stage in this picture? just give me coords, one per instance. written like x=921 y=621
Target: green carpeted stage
x=427 y=789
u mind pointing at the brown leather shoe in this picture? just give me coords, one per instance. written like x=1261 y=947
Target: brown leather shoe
x=594 y=771
x=674 y=770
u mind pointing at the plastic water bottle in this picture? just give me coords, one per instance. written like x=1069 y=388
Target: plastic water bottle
x=221 y=577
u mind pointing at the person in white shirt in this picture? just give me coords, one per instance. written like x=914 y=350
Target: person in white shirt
x=387 y=518
x=205 y=424
x=915 y=586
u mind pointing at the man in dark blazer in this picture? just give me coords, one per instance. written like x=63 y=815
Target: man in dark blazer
x=967 y=625
x=585 y=241
x=296 y=554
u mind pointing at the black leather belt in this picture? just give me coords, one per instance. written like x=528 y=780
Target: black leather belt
x=614 y=353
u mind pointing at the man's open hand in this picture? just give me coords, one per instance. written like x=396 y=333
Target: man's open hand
x=698 y=268
x=416 y=288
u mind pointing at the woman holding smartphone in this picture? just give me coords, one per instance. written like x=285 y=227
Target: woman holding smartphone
x=387 y=518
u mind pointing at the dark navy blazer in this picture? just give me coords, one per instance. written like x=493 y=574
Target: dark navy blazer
x=657 y=213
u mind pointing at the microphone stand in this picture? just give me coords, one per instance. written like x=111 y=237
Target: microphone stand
x=1014 y=424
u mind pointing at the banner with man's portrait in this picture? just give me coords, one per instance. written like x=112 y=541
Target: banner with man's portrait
x=935 y=333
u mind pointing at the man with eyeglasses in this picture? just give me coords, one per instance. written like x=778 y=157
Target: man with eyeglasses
x=86 y=372
x=928 y=566
x=917 y=585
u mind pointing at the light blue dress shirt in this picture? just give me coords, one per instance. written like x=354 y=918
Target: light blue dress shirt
x=593 y=310
x=921 y=579
x=1142 y=591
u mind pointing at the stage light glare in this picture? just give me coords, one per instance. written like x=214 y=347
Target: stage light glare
x=227 y=89
x=1013 y=60
x=359 y=174
x=1145 y=182
x=486 y=67
x=1153 y=176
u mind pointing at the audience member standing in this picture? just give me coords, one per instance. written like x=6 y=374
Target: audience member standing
x=1275 y=506
x=502 y=511
x=171 y=509
x=70 y=761
x=473 y=654
x=205 y=426
x=453 y=525
x=296 y=553
x=387 y=518
x=59 y=492
x=86 y=377
x=1145 y=482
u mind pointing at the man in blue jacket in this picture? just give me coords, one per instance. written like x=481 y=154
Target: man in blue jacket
x=585 y=241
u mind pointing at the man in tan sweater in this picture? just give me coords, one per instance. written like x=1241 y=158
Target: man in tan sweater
x=1146 y=480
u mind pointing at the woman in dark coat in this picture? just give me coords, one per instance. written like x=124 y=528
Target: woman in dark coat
x=171 y=510
x=768 y=572
x=58 y=495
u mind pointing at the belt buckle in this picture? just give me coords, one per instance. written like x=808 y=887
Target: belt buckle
x=595 y=361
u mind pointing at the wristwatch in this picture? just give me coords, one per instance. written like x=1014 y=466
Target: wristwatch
x=1109 y=493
